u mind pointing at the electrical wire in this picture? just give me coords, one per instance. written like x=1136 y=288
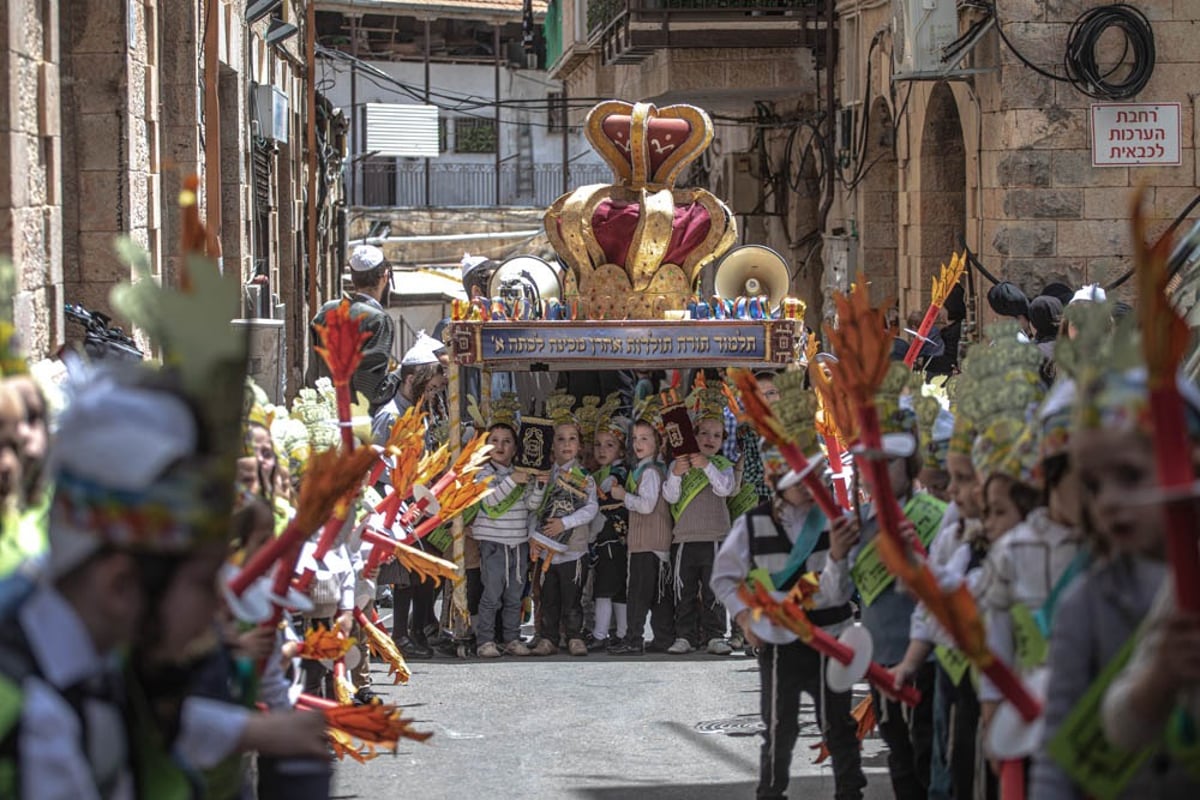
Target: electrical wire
x=1080 y=61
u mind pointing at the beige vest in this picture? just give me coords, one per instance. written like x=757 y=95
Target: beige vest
x=705 y=519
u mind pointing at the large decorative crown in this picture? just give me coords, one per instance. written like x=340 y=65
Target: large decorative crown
x=636 y=247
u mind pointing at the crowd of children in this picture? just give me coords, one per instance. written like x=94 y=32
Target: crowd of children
x=1030 y=494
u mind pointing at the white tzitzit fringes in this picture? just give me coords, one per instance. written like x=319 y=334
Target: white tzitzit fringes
x=678 y=573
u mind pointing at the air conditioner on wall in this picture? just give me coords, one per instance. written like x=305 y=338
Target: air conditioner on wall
x=271 y=113
x=921 y=29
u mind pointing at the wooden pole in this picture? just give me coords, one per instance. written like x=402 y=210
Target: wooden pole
x=310 y=49
x=428 y=164
x=496 y=53
x=212 y=126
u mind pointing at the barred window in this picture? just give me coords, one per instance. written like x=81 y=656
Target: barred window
x=474 y=135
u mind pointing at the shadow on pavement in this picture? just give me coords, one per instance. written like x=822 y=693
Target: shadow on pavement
x=811 y=786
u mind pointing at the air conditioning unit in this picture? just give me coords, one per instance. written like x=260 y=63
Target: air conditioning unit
x=271 y=113
x=740 y=186
x=920 y=31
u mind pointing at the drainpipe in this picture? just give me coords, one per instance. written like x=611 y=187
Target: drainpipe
x=212 y=128
x=310 y=50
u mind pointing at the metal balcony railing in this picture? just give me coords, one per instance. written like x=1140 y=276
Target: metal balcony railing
x=601 y=13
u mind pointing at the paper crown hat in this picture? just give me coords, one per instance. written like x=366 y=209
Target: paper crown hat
x=503 y=410
x=896 y=414
x=596 y=417
x=936 y=425
x=560 y=408
x=797 y=410
x=998 y=391
x=423 y=351
x=634 y=248
x=704 y=401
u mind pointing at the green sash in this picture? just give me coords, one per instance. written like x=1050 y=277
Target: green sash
x=1030 y=645
x=504 y=506
x=1080 y=747
x=745 y=500
x=693 y=483
x=953 y=662
x=635 y=475
x=869 y=573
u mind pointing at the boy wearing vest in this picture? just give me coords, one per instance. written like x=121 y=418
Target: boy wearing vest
x=697 y=487
x=612 y=527
x=649 y=545
x=887 y=610
x=785 y=539
x=566 y=515
x=501 y=529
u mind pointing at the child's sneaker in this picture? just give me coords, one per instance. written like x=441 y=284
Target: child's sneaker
x=576 y=647
x=488 y=650
x=544 y=647
x=681 y=647
x=516 y=648
x=719 y=647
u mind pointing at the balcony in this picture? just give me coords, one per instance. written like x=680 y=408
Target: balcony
x=627 y=31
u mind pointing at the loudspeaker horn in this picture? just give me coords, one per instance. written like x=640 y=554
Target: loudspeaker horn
x=527 y=272
x=753 y=270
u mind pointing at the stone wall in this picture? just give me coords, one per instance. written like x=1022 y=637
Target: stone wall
x=1048 y=213
x=1003 y=158
x=30 y=161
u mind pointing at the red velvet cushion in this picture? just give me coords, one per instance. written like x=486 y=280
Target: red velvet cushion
x=614 y=224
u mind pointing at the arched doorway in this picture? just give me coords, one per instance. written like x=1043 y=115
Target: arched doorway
x=943 y=204
x=943 y=207
x=880 y=205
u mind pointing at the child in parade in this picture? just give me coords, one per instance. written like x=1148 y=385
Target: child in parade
x=1097 y=619
x=1036 y=559
x=696 y=488
x=501 y=530
x=649 y=546
x=612 y=525
x=108 y=590
x=789 y=537
x=887 y=612
x=565 y=517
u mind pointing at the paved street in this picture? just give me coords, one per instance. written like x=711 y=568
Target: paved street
x=596 y=727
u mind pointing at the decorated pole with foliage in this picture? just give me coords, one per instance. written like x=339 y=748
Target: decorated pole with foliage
x=943 y=283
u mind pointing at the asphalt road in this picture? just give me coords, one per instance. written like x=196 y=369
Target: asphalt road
x=655 y=727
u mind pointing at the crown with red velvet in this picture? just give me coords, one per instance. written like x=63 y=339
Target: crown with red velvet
x=636 y=247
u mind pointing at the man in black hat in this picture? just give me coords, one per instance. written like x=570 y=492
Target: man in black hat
x=370 y=275
x=1007 y=300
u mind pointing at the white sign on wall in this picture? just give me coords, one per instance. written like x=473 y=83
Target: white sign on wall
x=1135 y=134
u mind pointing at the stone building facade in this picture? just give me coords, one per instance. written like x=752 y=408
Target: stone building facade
x=995 y=154
x=1001 y=156
x=105 y=115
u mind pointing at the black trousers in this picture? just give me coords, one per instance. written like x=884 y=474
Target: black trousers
x=562 y=606
x=962 y=752
x=649 y=592
x=698 y=615
x=786 y=671
x=412 y=609
x=908 y=733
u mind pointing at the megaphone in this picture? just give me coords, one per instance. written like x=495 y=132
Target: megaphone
x=527 y=276
x=752 y=270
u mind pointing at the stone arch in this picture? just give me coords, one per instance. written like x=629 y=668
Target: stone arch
x=880 y=204
x=942 y=211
